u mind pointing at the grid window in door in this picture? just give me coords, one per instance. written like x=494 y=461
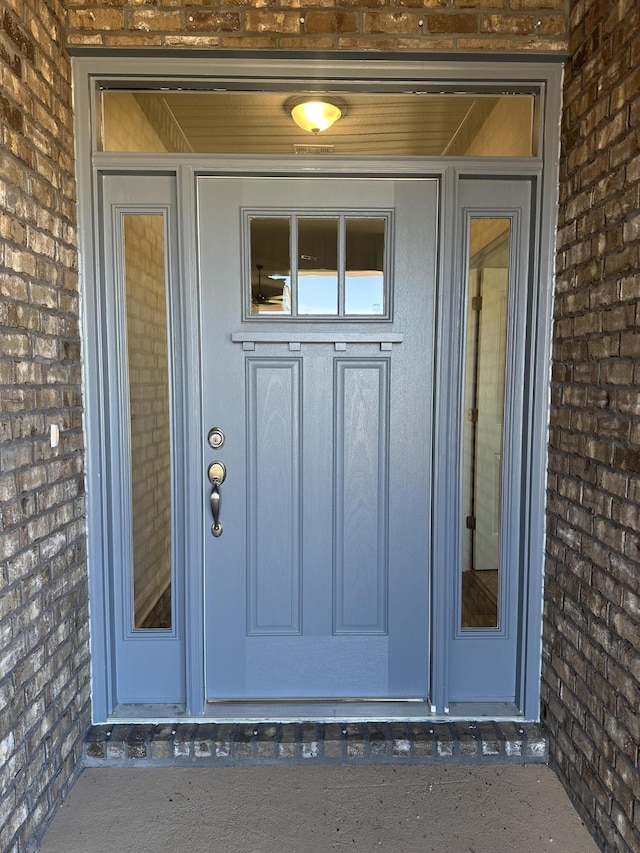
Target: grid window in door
x=318 y=266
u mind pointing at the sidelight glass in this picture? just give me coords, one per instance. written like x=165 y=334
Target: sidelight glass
x=364 y=273
x=484 y=390
x=149 y=418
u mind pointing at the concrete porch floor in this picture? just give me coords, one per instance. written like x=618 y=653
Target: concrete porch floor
x=412 y=809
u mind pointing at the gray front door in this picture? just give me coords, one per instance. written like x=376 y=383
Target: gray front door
x=317 y=306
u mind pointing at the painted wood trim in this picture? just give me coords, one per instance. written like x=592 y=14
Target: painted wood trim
x=286 y=337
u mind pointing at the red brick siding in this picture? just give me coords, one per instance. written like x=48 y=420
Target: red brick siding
x=44 y=659
x=591 y=666
x=591 y=669
x=417 y=25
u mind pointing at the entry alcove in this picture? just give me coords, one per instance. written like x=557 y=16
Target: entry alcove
x=484 y=135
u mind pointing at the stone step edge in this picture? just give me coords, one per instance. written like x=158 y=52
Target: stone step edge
x=219 y=744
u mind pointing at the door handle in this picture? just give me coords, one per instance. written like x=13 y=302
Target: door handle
x=217 y=474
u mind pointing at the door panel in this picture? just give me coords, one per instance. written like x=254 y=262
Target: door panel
x=274 y=401
x=318 y=586
x=361 y=518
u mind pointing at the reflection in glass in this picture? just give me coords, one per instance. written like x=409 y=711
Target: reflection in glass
x=270 y=265
x=318 y=266
x=234 y=122
x=486 y=341
x=364 y=274
x=149 y=424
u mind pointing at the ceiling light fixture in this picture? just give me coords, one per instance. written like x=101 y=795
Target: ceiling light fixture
x=315 y=113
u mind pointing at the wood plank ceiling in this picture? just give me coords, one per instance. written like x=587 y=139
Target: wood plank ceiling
x=373 y=124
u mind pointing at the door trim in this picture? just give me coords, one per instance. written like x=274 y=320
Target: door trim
x=369 y=73
x=412 y=711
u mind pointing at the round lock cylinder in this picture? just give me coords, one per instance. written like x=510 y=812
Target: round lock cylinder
x=215 y=438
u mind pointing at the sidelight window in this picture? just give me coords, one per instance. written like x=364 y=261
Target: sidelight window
x=486 y=340
x=149 y=418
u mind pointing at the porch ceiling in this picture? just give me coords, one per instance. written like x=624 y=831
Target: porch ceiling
x=373 y=124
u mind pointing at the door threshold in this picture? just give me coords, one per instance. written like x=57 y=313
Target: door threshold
x=312 y=711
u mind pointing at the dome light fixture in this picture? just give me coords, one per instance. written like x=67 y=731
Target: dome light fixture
x=315 y=113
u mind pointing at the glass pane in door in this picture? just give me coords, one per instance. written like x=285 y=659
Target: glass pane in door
x=149 y=418
x=270 y=265
x=365 y=268
x=317 y=266
x=485 y=364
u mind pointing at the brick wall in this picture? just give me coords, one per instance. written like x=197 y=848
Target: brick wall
x=418 y=25
x=44 y=661
x=591 y=667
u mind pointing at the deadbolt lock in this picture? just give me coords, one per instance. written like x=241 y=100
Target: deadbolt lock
x=215 y=438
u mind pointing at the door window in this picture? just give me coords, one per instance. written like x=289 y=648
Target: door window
x=318 y=266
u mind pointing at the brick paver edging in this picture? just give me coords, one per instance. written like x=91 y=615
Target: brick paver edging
x=207 y=744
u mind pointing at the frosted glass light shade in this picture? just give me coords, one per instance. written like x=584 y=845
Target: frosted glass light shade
x=315 y=116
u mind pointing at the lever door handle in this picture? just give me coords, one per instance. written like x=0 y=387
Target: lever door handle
x=217 y=473
x=216 y=527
